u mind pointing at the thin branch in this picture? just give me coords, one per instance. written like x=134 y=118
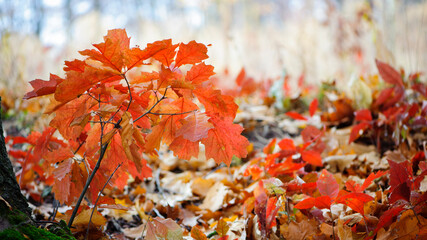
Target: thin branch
x=181 y=113
x=149 y=110
x=78 y=148
x=99 y=195
x=103 y=149
x=98 y=100
x=112 y=116
x=130 y=92
x=89 y=180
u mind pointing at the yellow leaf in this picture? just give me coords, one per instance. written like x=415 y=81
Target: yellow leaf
x=84 y=216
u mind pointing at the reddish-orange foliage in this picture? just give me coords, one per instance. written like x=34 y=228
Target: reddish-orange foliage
x=110 y=99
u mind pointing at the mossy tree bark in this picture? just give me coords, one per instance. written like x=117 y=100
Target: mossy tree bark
x=9 y=188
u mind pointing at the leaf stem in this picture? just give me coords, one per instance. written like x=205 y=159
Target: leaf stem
x=89 y=180
x=130 y=92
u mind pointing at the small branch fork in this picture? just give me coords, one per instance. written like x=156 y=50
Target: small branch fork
x=103 y=147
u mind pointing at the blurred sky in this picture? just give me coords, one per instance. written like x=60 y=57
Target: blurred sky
x=322 y=39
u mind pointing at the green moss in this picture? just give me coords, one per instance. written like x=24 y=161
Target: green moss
x=22 y=227
x=28 y=231
x=11 y=234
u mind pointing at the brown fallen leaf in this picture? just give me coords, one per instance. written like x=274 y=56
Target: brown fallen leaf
x=299 y=231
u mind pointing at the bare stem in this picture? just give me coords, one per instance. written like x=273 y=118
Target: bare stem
x=130 y=92
x=99 y=195
x=181 y=113
x=89 y=180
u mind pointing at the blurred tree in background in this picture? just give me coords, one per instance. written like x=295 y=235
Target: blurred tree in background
x=322 y=39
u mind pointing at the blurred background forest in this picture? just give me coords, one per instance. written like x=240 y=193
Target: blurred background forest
x=324 y=40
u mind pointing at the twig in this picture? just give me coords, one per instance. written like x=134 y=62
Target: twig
x=97 y=199
x=149 y=110
x=130 y=92
x=55 y=210
x=89 y=180
x=172 y=114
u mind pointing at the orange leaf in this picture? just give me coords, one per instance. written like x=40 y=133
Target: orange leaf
x=355 y=201
x=270 y=147
x=224 y=141
x=112 y=51
x=197 y=234
x=215 y=103
x=287 y=144
x=164 y=51
x=306 y=203
x=76 y=83
x=190 y=53
x=254 y=171
x=200 y=73
x=184 y=149
x=84 y=217
x=323 y=202
x=312 y=157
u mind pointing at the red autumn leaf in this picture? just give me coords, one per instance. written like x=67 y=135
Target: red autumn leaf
x=323 y=202
x=398 y=174
x=388 y=73
x=287 y=144
x=356 y=131
x=400 y=192
x=363 y=115
x=224 y=141
x=200 y=73
x=385 y=94
x=306 y=203
x=261 y=200
x=370 y=179
x=310 y=134
x=42 y=87
x=286 y=167
x=305 y=188
x=327 y=184
x=271 y=212
x=296 y=116
x=387 y=217
x=312 y=157
x=355 y=201
x=352 y=186
x=190 y=53
x=313 y=107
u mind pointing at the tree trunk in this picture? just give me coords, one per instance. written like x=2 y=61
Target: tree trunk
x=9 y=188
